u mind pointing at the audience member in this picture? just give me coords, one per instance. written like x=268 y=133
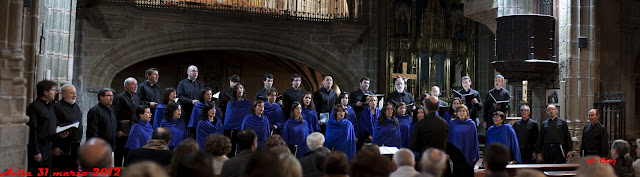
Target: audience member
x=404 y=164
x=496 y=158
x=263 y=163
x=247 y=144
x=315 y=142
x=95 y=153
x=273 y=141
x=144 y=169
x=336 y=164
x=156 y=150
x=589 y=168
x=218 y=146
x=636 y=164
x=185 y=148
x=529 y=173
x=290 y=165
x=195 y=164
x=620 y=153
x=370 y=164
x=433 y=162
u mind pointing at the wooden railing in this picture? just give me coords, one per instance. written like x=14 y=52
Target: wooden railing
x=610 y=105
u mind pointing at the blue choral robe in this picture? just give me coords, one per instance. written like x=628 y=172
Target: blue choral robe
x=260 y=125
x=464 y=135
x=236 y=111
x=340 y=137
x=312 y=119
x=366 y=121
x=195 y=114
x=447 y=116
x=206 y=128
x=295 y=133
x=351 y=116
x=139 y=135
x=178 y=131
x=275 y=115
x=158 y=115
x=387 y=134
x=507 y=136
x=404 y=123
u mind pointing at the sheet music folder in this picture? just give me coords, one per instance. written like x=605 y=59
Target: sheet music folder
x=466 y=97
x=68 y=126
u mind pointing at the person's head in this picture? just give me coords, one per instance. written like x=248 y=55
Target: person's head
x=466 y=82
x=339 y=112
x=529 y=173
x=296 y=80
x=271 y=94
x=267 y=80
x=238 y=92
x=144 y=169
x=95 y=153
x=498 y=81
x=233 y=80
x=372 y=101
x=194 y=163
x=499 y=118
x=273 y=141
x=462 y=112
x=168 y=95
x=327 y=82
x=364 y=83
x=455 y=104
x=206 y=95
x=433 y=161
x=46 y=90
x=638 y=148
x=496 y=157
x=587 y=169
x=435 y=91
x=161 y=133
x=296 y=111
x=432 y=104
x=525 y=111
x=315 y=140
x=290 y=166
x=367 y=164
x=152 y=75
x=69 y=93
x=307 y=101
x=247 y=140
x=370 y=148
x=131 y=85
x=217 y=145
x=552 y=111
x=208 y=111
x=105 y=96
x=336 y=163
x=423 y=98
x=404 y=157
x=192 y=72
x=173 y=111
x=280 y=149
x=594 y=117
x=399 y=85
x=264 y=163
x=257 y=108
x=401 y=108
x=620 y=149
x=185 y=148
x=387 y=110
x=419 y=113
x=343 y=98
x=144 y=113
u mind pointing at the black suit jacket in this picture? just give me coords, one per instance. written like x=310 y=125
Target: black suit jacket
x=432 y=131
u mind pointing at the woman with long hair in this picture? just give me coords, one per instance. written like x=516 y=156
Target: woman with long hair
x=503 y=133
x=340 y=135
x=309 y=111
x=177 y=127
x=257 y=122
x=386 y=131
x=140 y=131
x=168 y=96
x=273 y=111
x=464 y=135
x=237 y=108
x=404 y=123
x=209 y=123
x=620 y=150
x=343 y=99
x=368 y=117
x=296 y=131
x=206 y=95
x=184 y=148
x=453 y=109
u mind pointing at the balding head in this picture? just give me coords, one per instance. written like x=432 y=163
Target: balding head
x=433 y=161
x=432 y=104
x=404 y=157
x=95 y=153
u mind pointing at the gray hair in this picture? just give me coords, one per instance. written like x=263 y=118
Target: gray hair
x=433 y=161
x=64 y=87
x=596 y=111
x=404 y=157
x=500 y=76
x=315 y=140
x=466 y=77
x=191 y=68
x=525 y=106
x=129 y=79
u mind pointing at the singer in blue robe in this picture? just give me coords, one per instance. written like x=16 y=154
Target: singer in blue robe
x=295 y=133
x=504 y=134
x=140 y=132
x=236 y=111
x=404 y=123
x=157 y=116
x=209 y=124
x=312 y=119
x=178 y=131
x=260 y=125
x=275 y=115
x=351 y=116
x=386 y=130
x=340 y=136
x=464 y=135
x=365 y=124
x=195 y=114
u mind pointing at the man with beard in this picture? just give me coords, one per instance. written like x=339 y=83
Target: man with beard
x=356 y=96
x=65 y=150
x=400 y=95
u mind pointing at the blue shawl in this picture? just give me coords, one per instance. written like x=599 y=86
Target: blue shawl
x=340 y=136
x=139 y=135
x=195 y=114
x=158 y=115
x=507 y=136
x=260 y=125
x=295 y=133
x=365 y=124
x=236 y=111
x=351 y=116
x=312 y=119
x=387 y=134
x=464 y=135
x=275 y=115
x=178 y=131
x=205 y=128
x=404 y=123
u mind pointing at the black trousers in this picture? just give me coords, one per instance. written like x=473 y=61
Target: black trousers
x=552 y=154
x=232 y=134
x=67 y=160
x=119 y=153
x=526 y=154
x=33 y=166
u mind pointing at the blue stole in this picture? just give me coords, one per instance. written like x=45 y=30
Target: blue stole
x=139 y=135
x=340 y=136
x=404 y=123
x=260 y=125
x=312 y=119
x=365 y=124
x=158 y=115
x=236 y=111
x=274 y=114
x=195 y=114
x=447 y=117
x=295 y=133
x=387 y=134
x=351 y=116
x=464 y=135
x=206 y=128
x=505 y=135
x=178 y=131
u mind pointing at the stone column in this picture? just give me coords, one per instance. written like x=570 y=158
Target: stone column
x=13 y=130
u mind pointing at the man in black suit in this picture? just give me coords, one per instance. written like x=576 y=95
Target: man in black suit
x=247 y=145
x=432 y=131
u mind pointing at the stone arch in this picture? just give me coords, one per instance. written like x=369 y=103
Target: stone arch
x=101 y=72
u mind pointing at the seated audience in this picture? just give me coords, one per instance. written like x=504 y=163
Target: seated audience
x=290 y=165
x=315 y=142
x=156 y=150
x=588 y=169
x=195 y=164
x=620 y=153
x=95 y=153
x=218 y=146
x=367 y=164
x=336 y=164
x=144 y=169
x=529 y=173
x=247 y=144
x=263 y=163
x=184 y=148
x=433 y=163
x=404 y=164
x=496 y=158
x=273 y=141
